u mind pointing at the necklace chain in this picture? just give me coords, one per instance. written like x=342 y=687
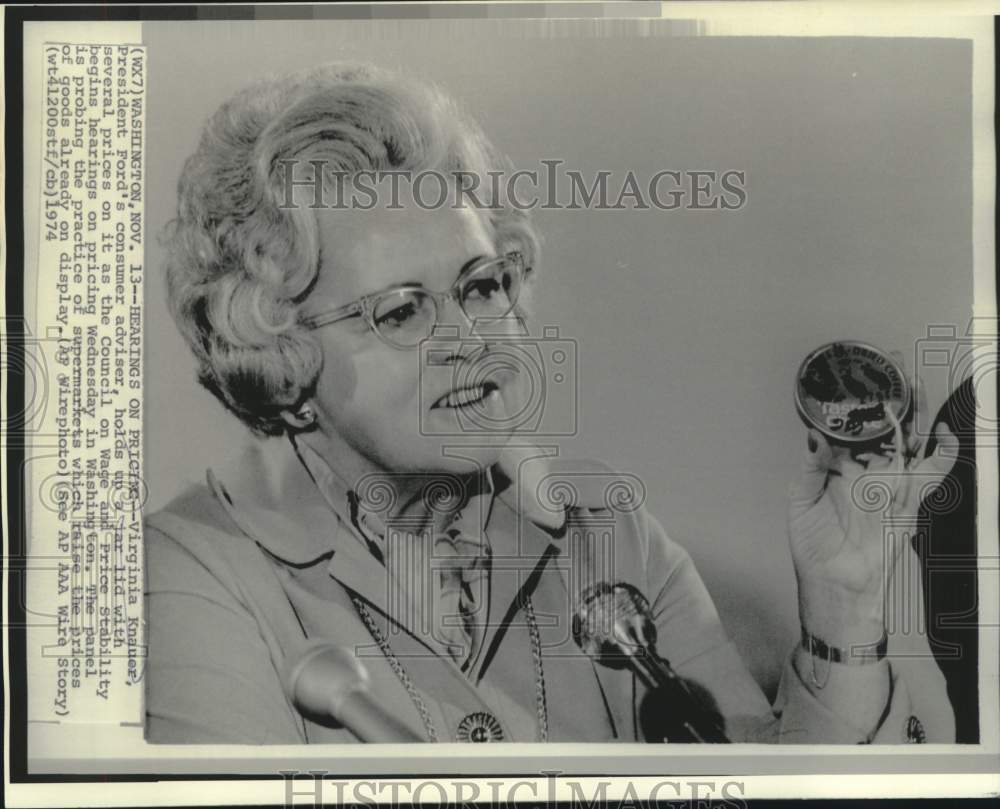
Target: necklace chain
x=541 y=705
x=396 y=666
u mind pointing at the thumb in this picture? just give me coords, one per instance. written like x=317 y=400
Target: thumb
x=813 y=472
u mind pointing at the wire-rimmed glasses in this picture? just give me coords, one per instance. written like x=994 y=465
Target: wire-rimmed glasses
x=403 y=316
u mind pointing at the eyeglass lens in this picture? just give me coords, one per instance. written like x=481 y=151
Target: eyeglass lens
x=406 y=317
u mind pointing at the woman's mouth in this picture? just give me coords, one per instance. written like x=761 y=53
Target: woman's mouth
x=466 y=396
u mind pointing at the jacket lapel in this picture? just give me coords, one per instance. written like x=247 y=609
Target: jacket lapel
x=272 y=497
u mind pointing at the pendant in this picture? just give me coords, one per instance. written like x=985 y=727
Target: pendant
x=480 y=726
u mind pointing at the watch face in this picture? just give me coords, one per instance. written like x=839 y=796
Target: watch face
x=844 y=388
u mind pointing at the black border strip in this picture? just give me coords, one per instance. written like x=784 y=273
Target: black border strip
x=14 y=337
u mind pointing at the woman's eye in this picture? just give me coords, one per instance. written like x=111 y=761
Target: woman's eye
x=482 y=289
x=396 y=317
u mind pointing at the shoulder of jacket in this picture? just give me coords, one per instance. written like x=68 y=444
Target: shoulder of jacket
x=195 y=521
x=549 y=483
x=591 y=485
x=192 y=545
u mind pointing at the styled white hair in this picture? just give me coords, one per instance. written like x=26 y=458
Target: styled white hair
x=241 y=261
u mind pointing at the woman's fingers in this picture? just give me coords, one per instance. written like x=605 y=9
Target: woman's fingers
x=847 y=465
x=836 y=471
x=880 y=462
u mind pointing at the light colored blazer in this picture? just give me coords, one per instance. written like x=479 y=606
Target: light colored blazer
x=246 y=569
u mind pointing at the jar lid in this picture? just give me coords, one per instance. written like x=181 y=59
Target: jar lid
x=843 y=388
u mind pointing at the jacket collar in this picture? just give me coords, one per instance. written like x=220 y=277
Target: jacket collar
x=273 y=497
x=357 y=507
x=270 y=495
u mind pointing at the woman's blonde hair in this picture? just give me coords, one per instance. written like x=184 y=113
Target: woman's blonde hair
x=241 y=260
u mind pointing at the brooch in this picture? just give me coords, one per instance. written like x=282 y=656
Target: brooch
x=481 y=726
x=915 y=731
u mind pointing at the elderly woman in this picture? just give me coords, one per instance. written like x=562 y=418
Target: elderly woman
x=388 y=508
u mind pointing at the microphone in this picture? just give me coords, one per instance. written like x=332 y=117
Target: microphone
x=328 y=681
x=614 y=626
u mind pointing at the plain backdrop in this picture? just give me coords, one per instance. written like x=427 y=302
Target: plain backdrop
x=689 y=325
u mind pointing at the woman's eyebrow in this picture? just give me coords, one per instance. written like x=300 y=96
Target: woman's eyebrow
x=414 y=283
x=470 y=263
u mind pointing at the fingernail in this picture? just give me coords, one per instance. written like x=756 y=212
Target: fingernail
x=812 y=442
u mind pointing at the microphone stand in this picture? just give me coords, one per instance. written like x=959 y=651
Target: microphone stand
x=614 y=625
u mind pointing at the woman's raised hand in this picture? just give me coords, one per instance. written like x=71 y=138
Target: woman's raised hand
x=839 y=510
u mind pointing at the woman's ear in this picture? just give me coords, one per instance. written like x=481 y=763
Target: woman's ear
x=302 y=419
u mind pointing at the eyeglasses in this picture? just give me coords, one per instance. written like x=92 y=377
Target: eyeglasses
x=404 y=316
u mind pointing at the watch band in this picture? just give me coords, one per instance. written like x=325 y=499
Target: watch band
x=860 y=655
